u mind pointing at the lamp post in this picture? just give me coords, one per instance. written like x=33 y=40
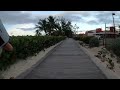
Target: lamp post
x=119 y=29
x=114 y=24
x=105 y=37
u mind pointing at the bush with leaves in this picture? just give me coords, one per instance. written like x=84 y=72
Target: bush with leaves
x=86 y=39
x=111 y=64
x=25 y=46
x=115 y=47
x=94 y=42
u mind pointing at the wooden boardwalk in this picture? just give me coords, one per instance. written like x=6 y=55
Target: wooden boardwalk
x=67 y=61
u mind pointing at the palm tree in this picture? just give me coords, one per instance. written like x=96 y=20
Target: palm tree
x=41 y=26
x=37 y=32
x=52 y=24
x=59 y=30
x=66 y=27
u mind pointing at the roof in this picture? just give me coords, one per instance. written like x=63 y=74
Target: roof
x=107 y=32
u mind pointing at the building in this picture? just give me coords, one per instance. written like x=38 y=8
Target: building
x=99 y=32
x=90 y=33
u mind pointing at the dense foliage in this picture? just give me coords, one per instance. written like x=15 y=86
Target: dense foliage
x=85 y=39
x=54 y=27
x=114 y=46
x=94 y=42
x=25 y=46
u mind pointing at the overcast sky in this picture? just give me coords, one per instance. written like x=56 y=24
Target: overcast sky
x=23 y=22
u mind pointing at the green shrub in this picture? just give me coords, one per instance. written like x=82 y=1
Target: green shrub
x=78 y=38
x=25 y=46
x=86 y=39
x=94 y=42
x=115 y=47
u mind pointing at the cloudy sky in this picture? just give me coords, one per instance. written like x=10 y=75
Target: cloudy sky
x=23 y=22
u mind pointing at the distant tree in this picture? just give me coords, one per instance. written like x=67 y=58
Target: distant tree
x=75 y=27
x=54 y=26
x=66 y=27
x=38 y=32
x=41 y=26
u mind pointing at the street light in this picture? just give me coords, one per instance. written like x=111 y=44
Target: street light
x=104 y=37
x=113 y=23
x=119 y=29
x=104 y=41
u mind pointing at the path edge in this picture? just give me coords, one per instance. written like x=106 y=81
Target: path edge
x=109 y=74
x=26 y=72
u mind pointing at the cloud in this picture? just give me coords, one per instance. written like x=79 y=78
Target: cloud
x=20 y=32
x=26 y=29
x=90 y=17
x=81 y=13
x=16 y=30
x=24 y=21
x=16 y=17
x=21 y=17
x=106 y=17
x=93 y=22
x=68 y=16
x=73 y=18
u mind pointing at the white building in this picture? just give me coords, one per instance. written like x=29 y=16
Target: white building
x=90 y=33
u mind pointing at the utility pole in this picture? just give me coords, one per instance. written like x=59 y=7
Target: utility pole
x=105 y=36
x=114 y=24
x=119 y=29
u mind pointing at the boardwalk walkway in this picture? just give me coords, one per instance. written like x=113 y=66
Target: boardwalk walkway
x=68 y=61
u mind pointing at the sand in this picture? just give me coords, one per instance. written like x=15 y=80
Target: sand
x=116 y=69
